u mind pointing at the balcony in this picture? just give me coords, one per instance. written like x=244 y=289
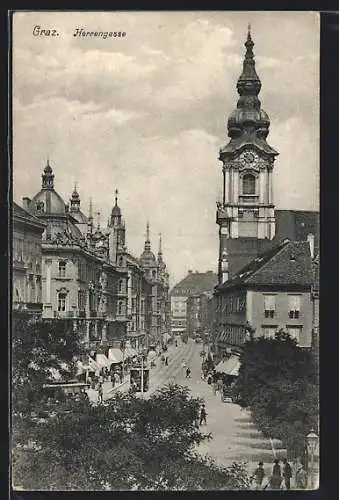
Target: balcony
x=64 y=314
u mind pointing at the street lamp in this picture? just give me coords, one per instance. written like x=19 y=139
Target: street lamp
x=312 y=446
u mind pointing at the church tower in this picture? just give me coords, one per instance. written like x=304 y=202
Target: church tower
x=246 y=211
x=117 y=232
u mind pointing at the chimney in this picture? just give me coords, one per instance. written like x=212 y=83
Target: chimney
x=25 y=202
x=310 y=239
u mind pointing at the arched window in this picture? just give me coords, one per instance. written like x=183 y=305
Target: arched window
x=248 y=184
x=61 y=302
x=120 y=307
x=121 y=285
x=121 y=261
x=154 y=274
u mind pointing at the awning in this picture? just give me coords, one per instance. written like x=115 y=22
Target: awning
x=115 y=356
x=102 y=361
x=229 y=366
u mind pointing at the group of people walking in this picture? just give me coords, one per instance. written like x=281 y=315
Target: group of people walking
x=280 y=477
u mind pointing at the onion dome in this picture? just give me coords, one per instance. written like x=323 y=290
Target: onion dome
x=47 y=200
x=248 y=116
x=47 y=177
x=147 y=257
x=116 y=212
x=75 y=200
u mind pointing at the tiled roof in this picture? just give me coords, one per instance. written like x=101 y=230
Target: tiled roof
x=195 y=283
x=288 y=263
x=294 y=225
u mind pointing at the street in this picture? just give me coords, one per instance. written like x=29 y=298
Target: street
x=235 y=438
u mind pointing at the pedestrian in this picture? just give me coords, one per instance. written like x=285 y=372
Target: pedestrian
x=166 y=361
x=183 y=364
x=276 y=479
x=203 y=415
x=188 y=372
x=287 y=474
x=301 y=478
x=214 y=385
x=220 y=385
x=100 y=392
x=121 y=375
x=176 y=343
x=113 y=379
x=117 y=378
x=259 y=475
x=209 y=379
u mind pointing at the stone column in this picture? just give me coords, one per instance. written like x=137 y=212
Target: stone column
x=226 y=186
x=262 y=186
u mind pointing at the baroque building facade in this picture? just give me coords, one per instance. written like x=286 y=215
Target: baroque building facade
x=249 y=224
x=88 y=275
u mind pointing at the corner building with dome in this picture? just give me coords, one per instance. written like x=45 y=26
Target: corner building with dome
x=88 y=276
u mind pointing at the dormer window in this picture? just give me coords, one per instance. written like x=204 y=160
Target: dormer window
x=248 y=184
x=40 y=207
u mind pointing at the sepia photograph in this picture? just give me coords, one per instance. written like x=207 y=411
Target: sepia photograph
x=165 y=250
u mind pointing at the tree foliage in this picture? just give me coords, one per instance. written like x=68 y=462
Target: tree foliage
x=126 y=443
x=278 y=383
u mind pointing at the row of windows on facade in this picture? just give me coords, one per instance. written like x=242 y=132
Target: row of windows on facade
x=237 y=335
x=32 y=291
x=237 y=304
x=63 y=274
x=93 y=304
x=24 y=249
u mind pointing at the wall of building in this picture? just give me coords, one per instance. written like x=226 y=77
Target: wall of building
x=27 y=264
x=281 y=317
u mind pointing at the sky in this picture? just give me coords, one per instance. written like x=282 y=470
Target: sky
x=146 y=114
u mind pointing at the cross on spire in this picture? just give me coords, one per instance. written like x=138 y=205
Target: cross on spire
x=116 y=192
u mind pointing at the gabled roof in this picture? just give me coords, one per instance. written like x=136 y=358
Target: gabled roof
x=195 y=283
x=288 y=263
x=21 y=215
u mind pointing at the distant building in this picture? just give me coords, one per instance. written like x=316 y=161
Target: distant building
x=248 y=222
x=199 y=314
x=272 y=292
x=193 y=284
x=26 y=261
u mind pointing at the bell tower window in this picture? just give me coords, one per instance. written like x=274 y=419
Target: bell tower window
x=248 y=184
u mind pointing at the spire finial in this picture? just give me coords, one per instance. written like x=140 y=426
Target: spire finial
x=48 y=161
x=90 y=212
x=147 y=230
x=116 y=192
x=160 y=244
x=75 y=185
x=98 y=216
x=249 y=30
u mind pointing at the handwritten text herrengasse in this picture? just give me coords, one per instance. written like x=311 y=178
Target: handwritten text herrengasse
x=38 y=31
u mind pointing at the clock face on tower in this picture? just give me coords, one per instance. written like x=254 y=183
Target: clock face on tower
x=248 y=159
